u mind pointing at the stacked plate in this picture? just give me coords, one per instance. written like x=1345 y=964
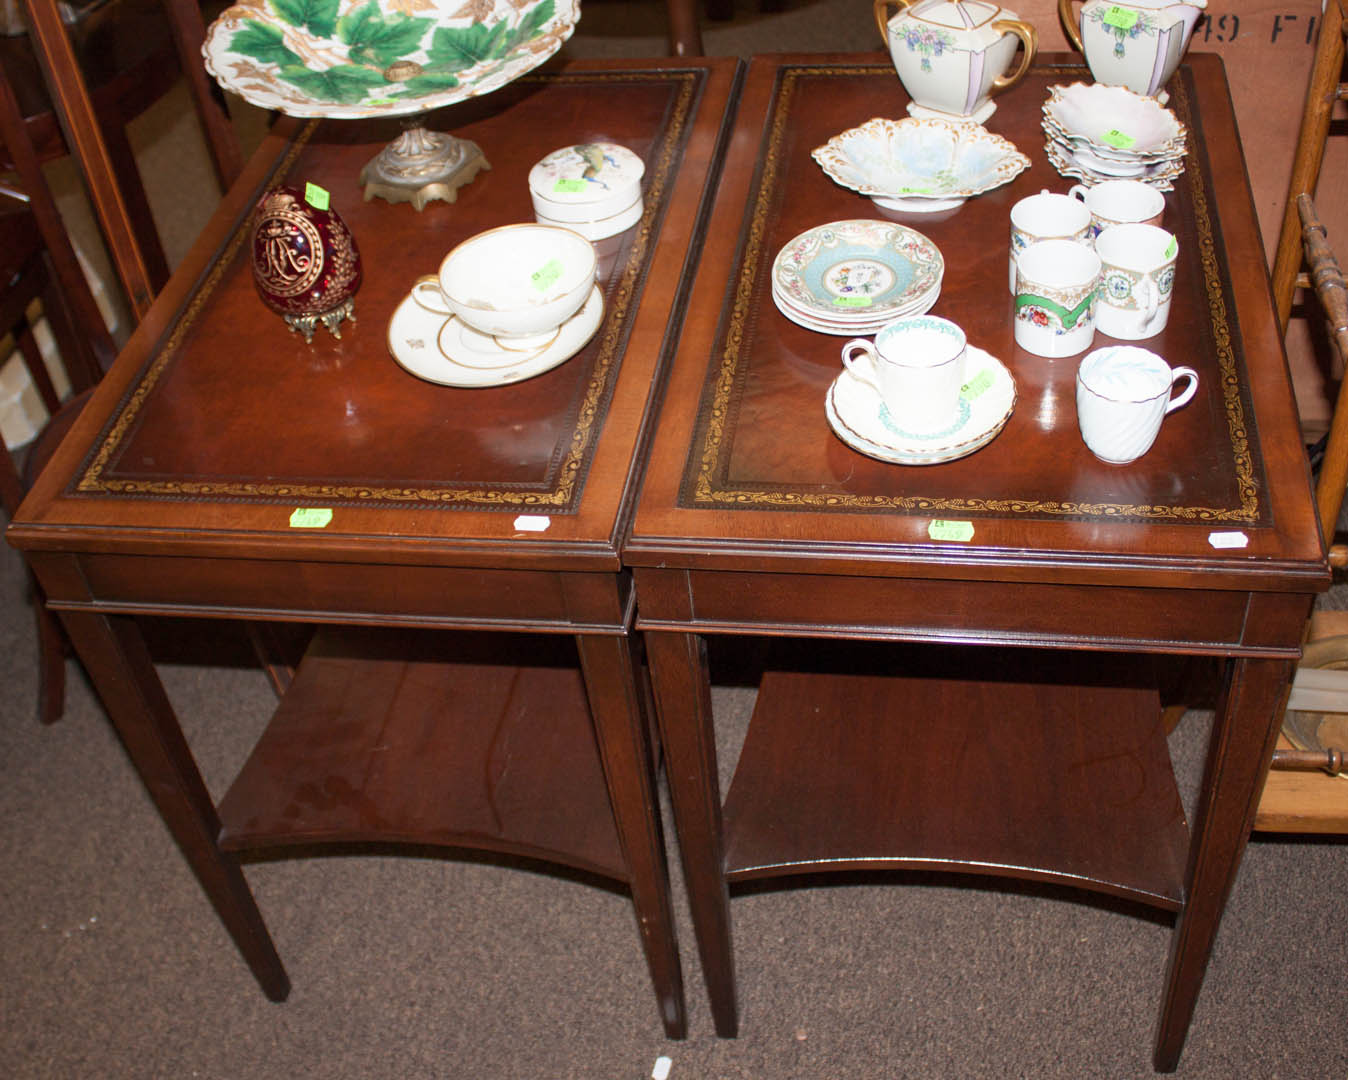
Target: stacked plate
x=1098 y=132
x=852 y=277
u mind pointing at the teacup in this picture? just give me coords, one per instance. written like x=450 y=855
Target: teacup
x=1123 y=394
x=1137 y=280
x=517 y=283
x=1120 y=202
x=916 y=365
x=1046 y=216
x=1056 y=284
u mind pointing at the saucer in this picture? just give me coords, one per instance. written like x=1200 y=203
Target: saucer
x=855 y=328
x=859 y=418
x=446 y=351
x=871 y=269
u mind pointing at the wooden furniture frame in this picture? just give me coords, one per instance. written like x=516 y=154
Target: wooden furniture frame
x=101 y=149
x=1012 y=726
x=1326 y=86
x=492 y=513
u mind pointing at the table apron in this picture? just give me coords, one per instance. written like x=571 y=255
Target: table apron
x=355 y=593
x=1229 y=623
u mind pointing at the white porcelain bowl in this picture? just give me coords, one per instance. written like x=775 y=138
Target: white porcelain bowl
x=905 y=161
x=1114 y=118
x=518 y=280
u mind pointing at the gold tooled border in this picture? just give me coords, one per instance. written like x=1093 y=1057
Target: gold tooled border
x=704 y=464
x=570 y=472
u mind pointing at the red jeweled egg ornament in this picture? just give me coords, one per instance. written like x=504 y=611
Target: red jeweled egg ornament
x=305 y=262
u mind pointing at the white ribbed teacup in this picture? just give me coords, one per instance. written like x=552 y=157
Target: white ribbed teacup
x=1123 y=394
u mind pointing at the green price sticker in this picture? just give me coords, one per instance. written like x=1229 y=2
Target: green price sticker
x=1117 y=139
x=1172 y=248
x=1121 y=17
x=546 y=275
x=977 y=385
x=915 y=191
x=310 y=517
x=569 y=187
x=316 y=197
x=951 y=530
x=851 y=301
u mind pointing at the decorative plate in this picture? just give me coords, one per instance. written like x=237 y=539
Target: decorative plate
x=1113 y=117
x=1161 y=175
x=853 y=328
x=358 y=58
x=880 y=266
x=859 y=418
x=914 y=159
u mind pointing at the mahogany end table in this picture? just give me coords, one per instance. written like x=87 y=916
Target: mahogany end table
x=1014 y=727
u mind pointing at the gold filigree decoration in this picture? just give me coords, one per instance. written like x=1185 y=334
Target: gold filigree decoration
x=705 y=488
x=570 y=471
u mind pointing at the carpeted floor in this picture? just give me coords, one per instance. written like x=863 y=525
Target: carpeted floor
x=113 y=964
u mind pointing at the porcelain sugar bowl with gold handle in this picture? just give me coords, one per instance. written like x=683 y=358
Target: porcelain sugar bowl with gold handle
x=953 y=55
x=1137 y=44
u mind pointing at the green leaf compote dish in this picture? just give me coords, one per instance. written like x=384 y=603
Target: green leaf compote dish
x=353 y=59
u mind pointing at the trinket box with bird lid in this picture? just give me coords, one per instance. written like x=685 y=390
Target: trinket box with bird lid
x=593 y=188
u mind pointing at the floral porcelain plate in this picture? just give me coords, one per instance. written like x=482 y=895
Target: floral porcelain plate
x=863 y=267
x=859 y=418
x=359 y=58
x=920 y=164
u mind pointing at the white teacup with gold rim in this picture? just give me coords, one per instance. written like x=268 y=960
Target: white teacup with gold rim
x=1123 y=394
x=517 y=283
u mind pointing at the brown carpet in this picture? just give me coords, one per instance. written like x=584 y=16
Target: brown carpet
x=113 y=964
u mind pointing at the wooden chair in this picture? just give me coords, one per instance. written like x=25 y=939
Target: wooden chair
x=37 y=255
x=27 y=274
x=128 y=53
x=113 y=186
x=685 y=35
x=1325 y=88
x=1326 y=278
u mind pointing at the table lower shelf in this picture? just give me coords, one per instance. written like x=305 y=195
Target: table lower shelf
x=421 y=737
x=1054 y=782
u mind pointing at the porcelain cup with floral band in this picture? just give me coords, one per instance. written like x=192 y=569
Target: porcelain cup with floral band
x=1046 y=216
x=1056 y=282
x=1123 y=394
x=515 y=283
x=952 y=56
x=1120 y=202
x=1137 y=280
x=916 y=365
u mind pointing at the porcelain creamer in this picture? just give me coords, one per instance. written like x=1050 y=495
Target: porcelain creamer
x=1137 y=44
x=953 y=55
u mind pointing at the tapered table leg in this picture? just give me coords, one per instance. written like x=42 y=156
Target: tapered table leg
x=118 y=662
x=621 y=730
x=682 y=691
x=1244 y=731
